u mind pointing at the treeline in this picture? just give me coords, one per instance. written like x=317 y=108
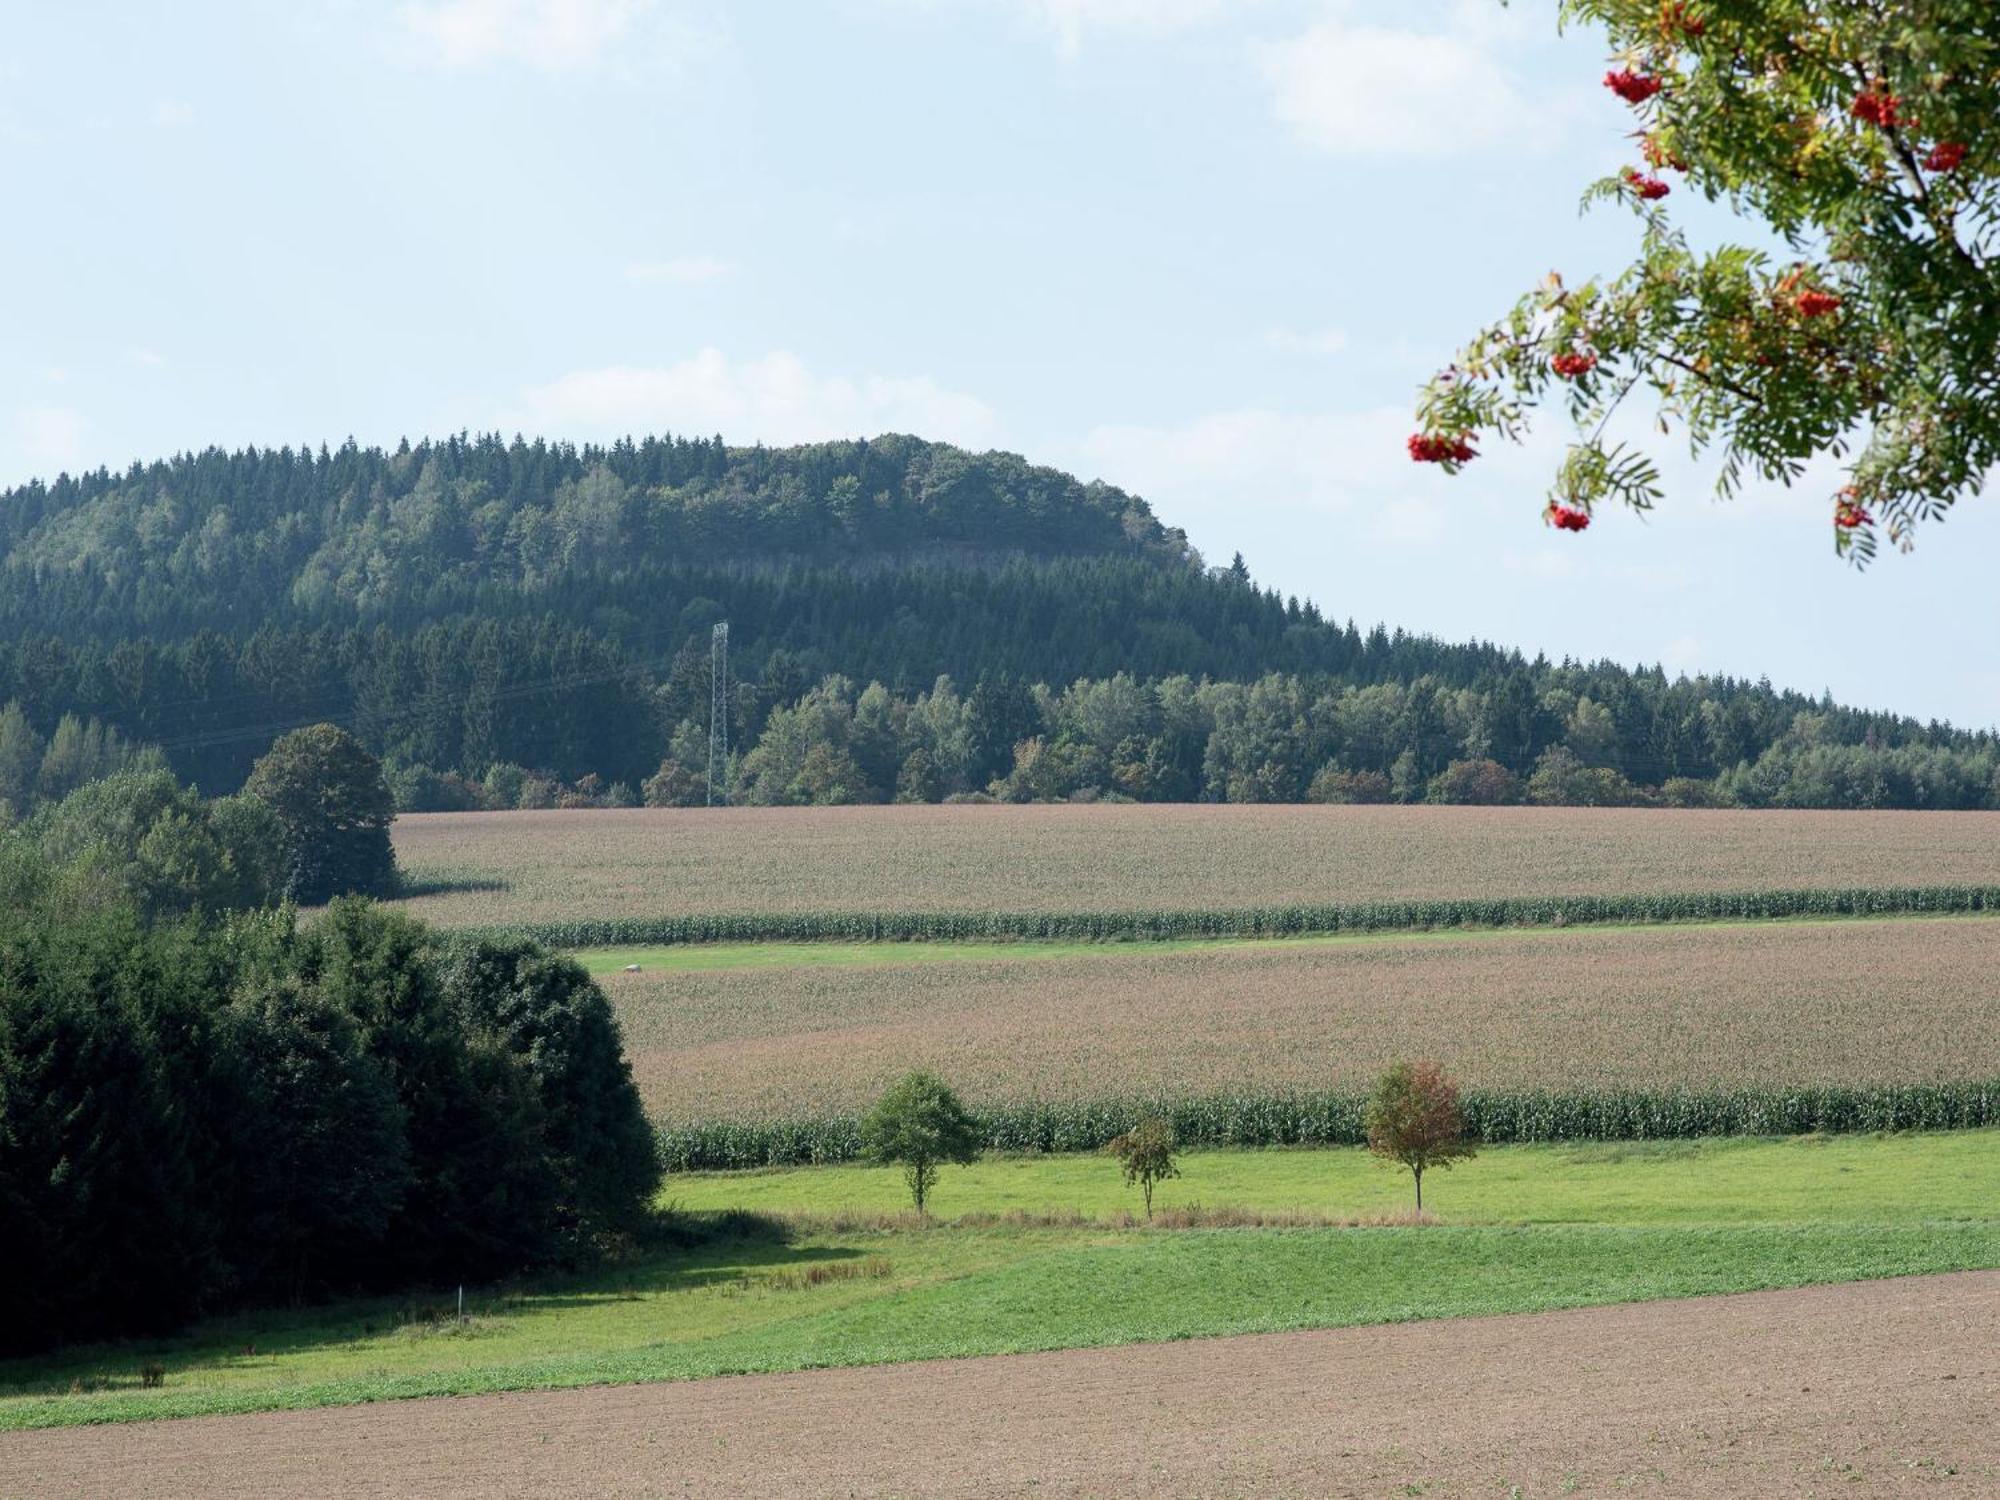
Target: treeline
x=445 y=710
x=197 y=1115
x=311 y=823
x=1538 y=738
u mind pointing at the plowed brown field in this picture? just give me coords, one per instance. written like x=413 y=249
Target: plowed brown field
x=1878 y=1388
x=559 y=865
x=1903 y=1001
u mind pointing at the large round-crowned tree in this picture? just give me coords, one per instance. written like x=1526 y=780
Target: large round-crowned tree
x=334 y=808
x=1865 y=134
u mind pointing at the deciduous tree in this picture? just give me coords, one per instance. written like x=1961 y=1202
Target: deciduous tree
x=1146 y=1153
x=1862 y=138
x=335 y=808
x=920 y=1125
x=1413 y=1118
x=554 y=1018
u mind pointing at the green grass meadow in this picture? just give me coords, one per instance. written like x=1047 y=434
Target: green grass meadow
x=1814 y=1179
x=831 y=1272
x=711 y=957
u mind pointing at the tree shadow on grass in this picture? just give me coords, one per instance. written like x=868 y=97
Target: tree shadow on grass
x=687 y=1254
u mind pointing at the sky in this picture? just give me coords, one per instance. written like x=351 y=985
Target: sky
x=1205 y=251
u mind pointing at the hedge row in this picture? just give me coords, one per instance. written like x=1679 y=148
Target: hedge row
x=1256 y=921
x=1335 y=1120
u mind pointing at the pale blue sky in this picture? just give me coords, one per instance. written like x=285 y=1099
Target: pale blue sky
x=1202 y=250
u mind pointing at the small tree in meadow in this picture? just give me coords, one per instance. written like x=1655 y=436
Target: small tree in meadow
x=921 y=1125
x=1146 y=1152
x=1413 y=1118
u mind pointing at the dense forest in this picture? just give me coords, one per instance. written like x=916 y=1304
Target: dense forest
x=205 y=1105
x=524 y=624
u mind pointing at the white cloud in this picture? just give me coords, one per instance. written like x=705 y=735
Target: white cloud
x=1358 y=90
x=169 y=113
x=151 y=359
x=550 y=34
x=49 y=439
x=1684 y=655
x=1073 y=20
x=1306 y=469
x=686 y=270
x=774 y=400
x=1306 y=340
x=1321 y=461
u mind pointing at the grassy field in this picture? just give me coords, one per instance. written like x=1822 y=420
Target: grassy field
x=548 y=866
x=701 y=958
x=1525 y=1229
x=1887 y=1179
x=811 y=1031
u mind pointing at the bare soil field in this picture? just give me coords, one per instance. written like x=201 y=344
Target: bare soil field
x=546 y=866
x=1875 y=1388
x=1889 y=1001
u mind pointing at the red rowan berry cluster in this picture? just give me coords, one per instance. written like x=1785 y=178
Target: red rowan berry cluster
x=1437 y=448
x=1633 y=88
x=1878 y=107
x=1847 y=512
x=1813 y=303
x=1649 y=188
x=1945 y=156
x=1568 y=517
x=1572 y=363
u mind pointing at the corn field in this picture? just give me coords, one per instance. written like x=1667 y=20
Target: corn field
x=1253 y=922
x=487 y=868
x=1494 y=1116
x=1657 y=1008
x=1579 y=1002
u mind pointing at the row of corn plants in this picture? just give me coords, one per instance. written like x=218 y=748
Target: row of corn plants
x=1252 y=922
x=1331 y=1119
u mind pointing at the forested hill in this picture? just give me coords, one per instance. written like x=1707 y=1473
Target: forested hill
x=359 y=535
x=518 y=622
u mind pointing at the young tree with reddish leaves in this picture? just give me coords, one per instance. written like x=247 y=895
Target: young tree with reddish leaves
x=1413 y=1118
x=1147 y=1153
x=1865 y=134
